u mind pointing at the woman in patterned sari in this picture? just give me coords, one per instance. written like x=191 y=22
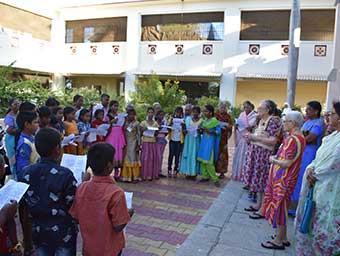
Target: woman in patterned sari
x=283 y=175
x=323 y=174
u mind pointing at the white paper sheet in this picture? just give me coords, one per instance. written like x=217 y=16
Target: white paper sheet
x=149 y=133
x=92 y=137
x=102 y=129
x=77 y=164
x=121 y=119
x=192 y=130
x=223 y=124
x=12 y=190
x=68 y=140
x=128 y=197
x=80 y=138
x=177 y=124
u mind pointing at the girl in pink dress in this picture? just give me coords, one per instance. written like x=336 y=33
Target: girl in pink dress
x=116 y=135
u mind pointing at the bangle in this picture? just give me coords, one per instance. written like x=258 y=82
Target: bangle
x=17 y=248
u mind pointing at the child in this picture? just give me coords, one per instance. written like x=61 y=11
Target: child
x=44 y=117
x=78 y=102
x=100 y=206
x=26 y=155
x=161 y=140
x=115 y=136
x=131 y=167
x=189 y=164
x=149 y=157
x=84 y=127
x=49 y=197
x=59 y=124
x=208 y=150
x=70 y=128
x=98 y=120
x=176 y=138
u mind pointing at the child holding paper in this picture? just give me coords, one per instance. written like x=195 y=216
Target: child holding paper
x=84 y=126
x=100 y=206
x=70 y=128
x=131 y=167
x=98 y=120
x=161 y=139
x=58 y=122
x=149 y=156
x=116 y=135
x=44 y=117
x=189 y=164
x=49 y=197
x=176 y=139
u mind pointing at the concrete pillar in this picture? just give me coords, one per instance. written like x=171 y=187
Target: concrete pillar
x=333 y=89
x=132 y=55
x=58 y=81
x=232 y=24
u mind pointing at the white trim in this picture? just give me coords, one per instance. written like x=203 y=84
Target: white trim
x=283 y=77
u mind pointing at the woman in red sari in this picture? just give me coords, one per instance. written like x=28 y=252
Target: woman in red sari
x=283 y=176
x=226 y=124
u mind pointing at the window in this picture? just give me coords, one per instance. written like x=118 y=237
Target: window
x=316 y=25
x=184 y=26
x=259 y=25
x=69 y=35
x=97 y=30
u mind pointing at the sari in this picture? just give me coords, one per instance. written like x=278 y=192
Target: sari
x=241 y=145
x=324 y=236
x=226 y=131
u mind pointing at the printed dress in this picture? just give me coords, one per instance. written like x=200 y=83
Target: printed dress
x=282 y=181
x=257 y=165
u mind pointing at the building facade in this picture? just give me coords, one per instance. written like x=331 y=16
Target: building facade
x=233 y=48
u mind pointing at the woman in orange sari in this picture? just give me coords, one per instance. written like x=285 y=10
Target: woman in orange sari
x=226 y=124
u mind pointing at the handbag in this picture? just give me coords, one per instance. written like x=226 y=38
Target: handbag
x=307 y=213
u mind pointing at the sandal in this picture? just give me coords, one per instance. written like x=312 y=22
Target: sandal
x=256 y=216
x=272 y=246
x=285 y=243
x=251 y=209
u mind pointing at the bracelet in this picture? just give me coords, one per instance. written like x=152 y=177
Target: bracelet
x=17 y=248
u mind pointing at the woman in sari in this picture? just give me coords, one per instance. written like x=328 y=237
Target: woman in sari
x=262 y=146
x=244 y=125
x=323 y=174
x=283 y=176
x=312 y=129
x=226 y=130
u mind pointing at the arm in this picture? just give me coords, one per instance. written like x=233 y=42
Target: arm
x=285 y=163
x=118 y=211
x=23 y=157
x=314 y=133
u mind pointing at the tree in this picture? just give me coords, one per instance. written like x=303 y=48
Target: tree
x=152 y=90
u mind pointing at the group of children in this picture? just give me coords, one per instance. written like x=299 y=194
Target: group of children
x=133 y=151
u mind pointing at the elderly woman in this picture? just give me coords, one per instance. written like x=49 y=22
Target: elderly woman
x=226 y=124
x=313 y=130
x=262 y=146
x=283 y=176
x=323 y=174
x=244 y=125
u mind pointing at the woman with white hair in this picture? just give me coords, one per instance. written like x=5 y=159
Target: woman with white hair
x=283 y=176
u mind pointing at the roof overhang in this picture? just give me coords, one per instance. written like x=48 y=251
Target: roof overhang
x=181 y=74
x=282 y=76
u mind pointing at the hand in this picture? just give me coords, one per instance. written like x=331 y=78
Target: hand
x=10 y=209
x=86 y=176
x=311 y=179
x=271 y=159
x=131 y=212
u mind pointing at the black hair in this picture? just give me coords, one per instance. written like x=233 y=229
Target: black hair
x=113 y=102
x=271 y=105
x=82 y=113
x=336 y=106
x=278 y=112
x=316 y=106
x=52 y=102
x=2 y=160
x=159 y=112
x=210 y=108
x=44 y=112
x=68 y=110
x=55 y=110
x=25 y=117
x=104 y=95
x=150 y=108
x=76 y=98
x=97 y=112
x=99 y=155
x=11 y=101
x=131 y=112
x=46 y=140
x=247 y=102
x=179 y=109
x=196 y=108
x=26 y=107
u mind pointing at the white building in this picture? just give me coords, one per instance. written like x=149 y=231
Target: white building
x=240 y=45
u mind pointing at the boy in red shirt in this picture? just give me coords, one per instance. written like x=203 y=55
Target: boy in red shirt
x=100 y=206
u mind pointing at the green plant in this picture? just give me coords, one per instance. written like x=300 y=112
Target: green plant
x=152 y=90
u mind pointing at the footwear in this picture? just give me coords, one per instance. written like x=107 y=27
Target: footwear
x=175 y=174
x=222 y=176
x=272 y=246
x=285 y=243
x=169 y=174
x=251 y=209
x=246 y=188
x=203 y=180
x=256 y=216
x=161 y=176
x=217 y=184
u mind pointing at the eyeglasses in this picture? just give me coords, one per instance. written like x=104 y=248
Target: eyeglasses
x=287 y=121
